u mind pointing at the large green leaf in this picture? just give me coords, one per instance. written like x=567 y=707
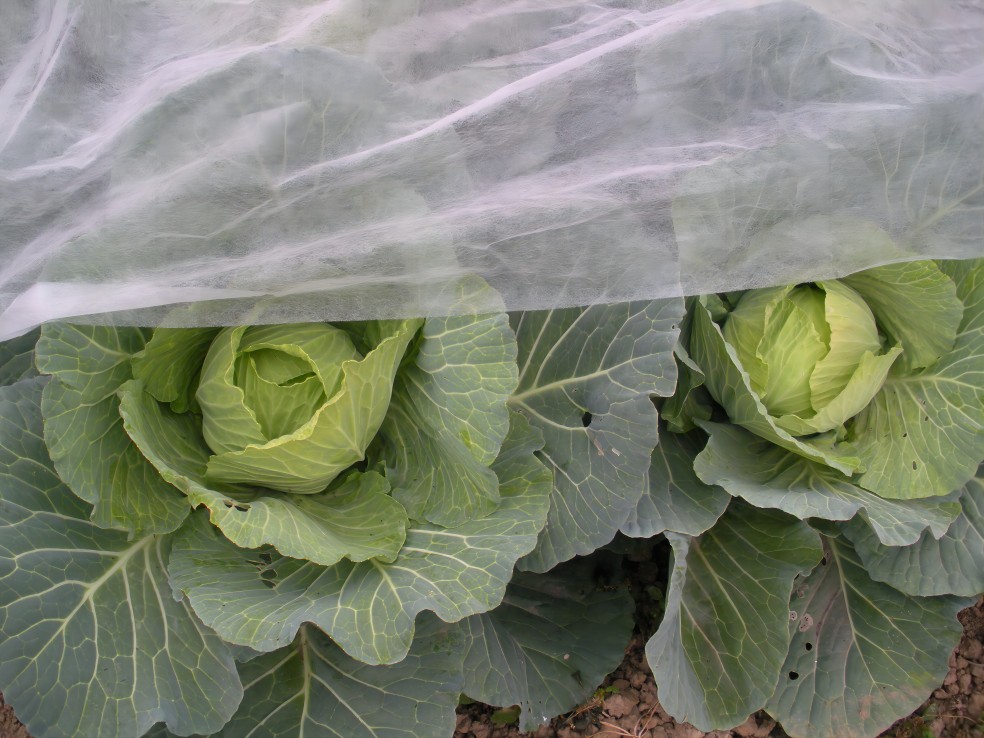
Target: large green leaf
x=690 y=401
x=335 y=437
x=449 y=416
x=355 y=518
x=923 y=434
x=549 y=644
x=260 y=600
x=464 y=369
x=952 y=564
x=93 y=641
x=862 y=654
x=915 y=304
x=85 y=435
x=312 y=688
x=717 y=654
x=170 y=364
x=586 y=377
x=17 y=358
x=730 y=385
x=676 y=499
x=434 y=476
x=768 y=476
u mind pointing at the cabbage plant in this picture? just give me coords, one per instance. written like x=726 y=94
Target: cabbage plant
x=821 y=491
x=315 y=527
x=341 y=528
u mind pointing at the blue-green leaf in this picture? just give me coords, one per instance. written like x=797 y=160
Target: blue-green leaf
x=448 y=415
x=862 y=654
x=312 y=688
x=93 y=643
x=586 y=377
x=718 y=652
x=85 y=435
x=950 y=564
x=676 y=499
x=769 y=476
x=549 y=644
x=260 y=600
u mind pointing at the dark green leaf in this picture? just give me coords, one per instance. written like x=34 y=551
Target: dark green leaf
x=549 y=644
x=93 y=643
x=862 y=654
x=17 y=358
x=85 y=435
x=312 y=687
x=718 y=652
x=586 y=377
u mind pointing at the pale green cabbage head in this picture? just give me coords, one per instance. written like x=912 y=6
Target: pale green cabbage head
x=812 y=352
x=290 y=407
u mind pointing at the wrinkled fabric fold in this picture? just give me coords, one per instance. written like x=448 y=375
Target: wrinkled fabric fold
x=349 y=160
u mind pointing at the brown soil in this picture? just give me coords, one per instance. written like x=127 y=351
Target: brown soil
x=10 y=727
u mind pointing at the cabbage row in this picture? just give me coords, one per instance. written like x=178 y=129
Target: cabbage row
x=339 y=529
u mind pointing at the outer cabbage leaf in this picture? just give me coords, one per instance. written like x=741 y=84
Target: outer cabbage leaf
x=862 y=654
x=448 y=415
x=952 y=564
x=676 y=499
x=916 y=305
x=354 y=518
x=586 y=376
x=923 y=433
x=17 y=358
x=768 y=476
x=368 y=608
x=549 y=644
x=170 y=364
x=731 y=386
x=312 y=687
x=689 y=402
x=84 y=431
x=93 y=641
x=718 y=651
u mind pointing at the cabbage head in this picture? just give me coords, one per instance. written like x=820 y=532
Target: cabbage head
x=873 y=375
x=283 y=406
x=812 y=352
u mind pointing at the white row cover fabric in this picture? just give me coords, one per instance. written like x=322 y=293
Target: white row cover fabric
x=289 y=160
